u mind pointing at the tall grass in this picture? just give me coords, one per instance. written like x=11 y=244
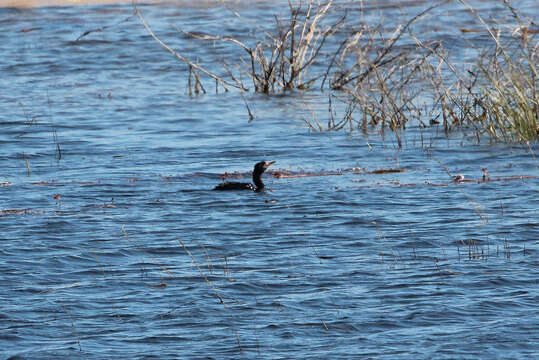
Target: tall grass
x=507 y=104
x=497 y=95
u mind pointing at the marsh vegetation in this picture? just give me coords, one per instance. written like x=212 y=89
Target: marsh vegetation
x=385 y=73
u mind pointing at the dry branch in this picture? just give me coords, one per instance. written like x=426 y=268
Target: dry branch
x=221 y=81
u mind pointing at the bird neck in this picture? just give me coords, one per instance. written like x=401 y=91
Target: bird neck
x=258 y=181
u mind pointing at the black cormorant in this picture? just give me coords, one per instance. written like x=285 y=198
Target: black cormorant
x=258 y=186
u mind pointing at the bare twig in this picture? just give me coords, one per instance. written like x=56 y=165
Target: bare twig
x=103 y=28
x=27 y=165
x=202 y=273
x=221 y=81
x=124 y=232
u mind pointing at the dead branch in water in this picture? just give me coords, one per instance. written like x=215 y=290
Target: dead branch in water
x=384 y=56
x=221 y=81
x=103 y=28
x=275 y=62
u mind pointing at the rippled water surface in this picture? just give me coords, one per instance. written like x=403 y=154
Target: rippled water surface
x=112 y=243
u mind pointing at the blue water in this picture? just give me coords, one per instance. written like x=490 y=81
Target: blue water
x=113 y=245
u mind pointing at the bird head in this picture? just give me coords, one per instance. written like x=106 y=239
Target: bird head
x=261 y=166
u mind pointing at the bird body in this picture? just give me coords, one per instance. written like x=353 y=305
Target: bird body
x=258 y=186
x=235 y=186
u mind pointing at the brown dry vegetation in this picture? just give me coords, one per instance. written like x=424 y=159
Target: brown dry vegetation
x=383 y=84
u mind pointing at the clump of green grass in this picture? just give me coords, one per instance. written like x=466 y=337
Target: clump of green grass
x=507 y=104
x=497 y=97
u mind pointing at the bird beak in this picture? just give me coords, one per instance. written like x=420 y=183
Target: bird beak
x=269 y=163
